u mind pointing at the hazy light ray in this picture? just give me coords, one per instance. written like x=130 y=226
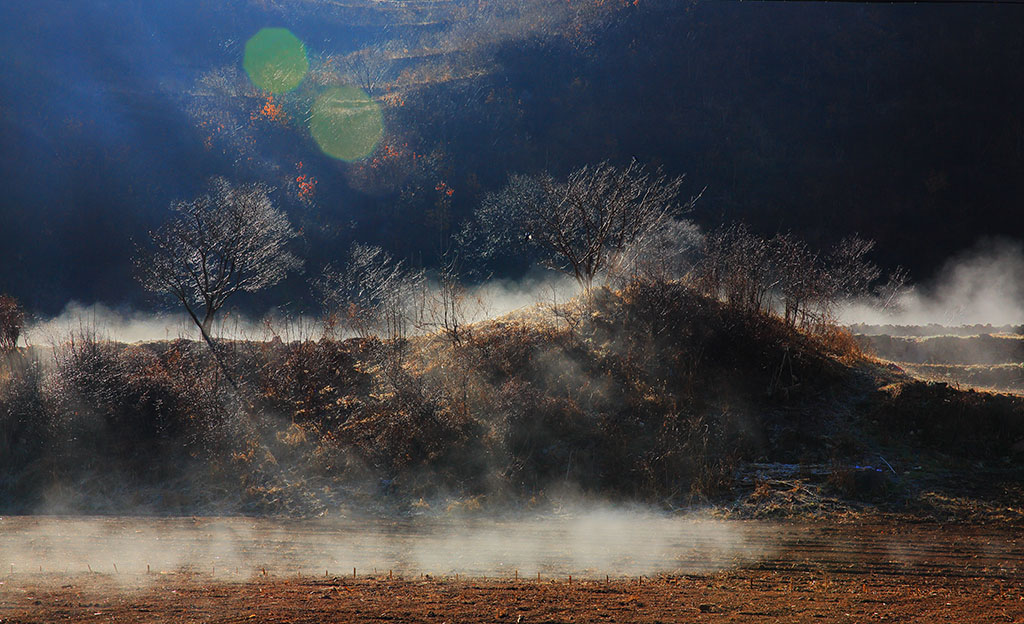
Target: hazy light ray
x=346 y=123
x=275 y=60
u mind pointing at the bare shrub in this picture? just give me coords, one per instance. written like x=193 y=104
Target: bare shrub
x=664 y=253
x=889 y=294
x=839 y=341
x=316 y=383
x=850 y=270
x=26 y=423
x=137 y=399
x=372 y=295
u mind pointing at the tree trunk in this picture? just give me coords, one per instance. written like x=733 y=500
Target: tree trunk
x=204 y=329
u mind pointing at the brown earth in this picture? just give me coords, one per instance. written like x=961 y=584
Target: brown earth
x=738 y=596
x=820 y=572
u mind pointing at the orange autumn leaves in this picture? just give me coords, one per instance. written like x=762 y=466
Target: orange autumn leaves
x=443 y=188
x=270 y=111
x=306 y=184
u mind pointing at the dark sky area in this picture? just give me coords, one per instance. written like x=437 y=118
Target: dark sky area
x=902 y=122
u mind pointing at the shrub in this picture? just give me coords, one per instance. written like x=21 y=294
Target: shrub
x=24 y=422
x=136 y=400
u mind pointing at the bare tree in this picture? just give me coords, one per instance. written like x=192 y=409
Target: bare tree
x=12 y=319
x=376 y=296
x=751 y=273
x=368 y=68
x=802 y=282
x=581 y=226
x=447 y=306
x=229 y=240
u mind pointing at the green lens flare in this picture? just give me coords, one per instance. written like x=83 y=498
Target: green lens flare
x=275 y=60
x=346 y=123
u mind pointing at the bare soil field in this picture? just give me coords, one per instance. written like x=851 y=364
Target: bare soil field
x=771 y=572
x=739 y=596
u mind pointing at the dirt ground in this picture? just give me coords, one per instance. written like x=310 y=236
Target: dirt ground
x=737 y=596
x=849 y=572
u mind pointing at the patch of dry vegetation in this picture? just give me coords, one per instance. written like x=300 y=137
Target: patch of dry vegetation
x=655 y=392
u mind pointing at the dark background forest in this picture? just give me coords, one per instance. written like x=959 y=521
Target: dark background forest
x=902 y=122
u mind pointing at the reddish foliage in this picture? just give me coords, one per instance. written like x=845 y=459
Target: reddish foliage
x=306 y=183
x=271 y=111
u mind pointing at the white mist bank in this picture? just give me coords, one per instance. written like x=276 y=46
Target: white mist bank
x=485 y=301
x=107 y=324
x=590 y=542
x=982 y=285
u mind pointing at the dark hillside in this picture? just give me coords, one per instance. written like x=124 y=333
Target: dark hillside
x=820 y=118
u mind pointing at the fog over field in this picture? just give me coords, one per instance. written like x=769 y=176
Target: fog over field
x=587 y=542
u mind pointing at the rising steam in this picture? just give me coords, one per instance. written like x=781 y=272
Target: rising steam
x=982 y=285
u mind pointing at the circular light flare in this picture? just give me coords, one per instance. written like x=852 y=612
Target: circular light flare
x=275 y=60
x=346 y=123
